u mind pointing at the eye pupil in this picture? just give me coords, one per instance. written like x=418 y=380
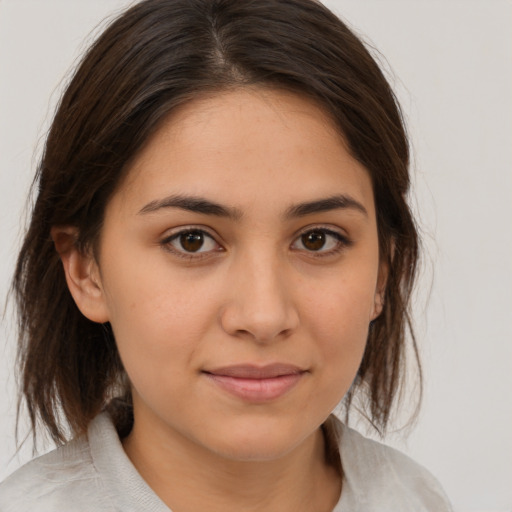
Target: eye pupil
x=192 y=241
x=314 y=240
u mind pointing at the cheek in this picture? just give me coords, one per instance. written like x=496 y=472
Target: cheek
x=157 y=319
x=338 y=321
x=342 y=308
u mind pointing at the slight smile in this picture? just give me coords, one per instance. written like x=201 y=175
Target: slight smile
x=257 y=383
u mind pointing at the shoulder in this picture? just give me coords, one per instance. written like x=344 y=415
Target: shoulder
x=64 y=479
x=91 y=473
x=378 y=477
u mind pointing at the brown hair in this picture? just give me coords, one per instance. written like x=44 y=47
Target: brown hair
x=154 y=57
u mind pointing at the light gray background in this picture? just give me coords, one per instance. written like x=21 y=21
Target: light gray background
x=451 y=64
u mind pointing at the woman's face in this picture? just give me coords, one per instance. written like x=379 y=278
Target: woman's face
x=239 y=269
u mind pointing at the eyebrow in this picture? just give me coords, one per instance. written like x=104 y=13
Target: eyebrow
x=335 y=202
x=207 y=207
x=192 y=204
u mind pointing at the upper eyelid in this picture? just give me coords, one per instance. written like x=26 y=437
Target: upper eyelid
x=335 y=234
x=187 y=229
x=334 y=231
x=322 y=227
x=209 y=231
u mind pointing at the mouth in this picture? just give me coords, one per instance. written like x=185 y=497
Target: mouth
x=256 y=383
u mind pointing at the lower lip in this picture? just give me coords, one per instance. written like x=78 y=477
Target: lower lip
x=257 y=390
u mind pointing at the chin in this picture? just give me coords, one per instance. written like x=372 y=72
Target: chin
x=258 y=441
x=256 y=451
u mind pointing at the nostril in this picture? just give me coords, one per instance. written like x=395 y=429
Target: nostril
x=257 y=325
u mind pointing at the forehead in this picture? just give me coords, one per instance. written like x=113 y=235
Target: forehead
x=248 y=147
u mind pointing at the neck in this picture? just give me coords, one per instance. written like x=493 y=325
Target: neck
x=301 y=480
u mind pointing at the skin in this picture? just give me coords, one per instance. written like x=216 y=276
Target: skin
x=256 y=292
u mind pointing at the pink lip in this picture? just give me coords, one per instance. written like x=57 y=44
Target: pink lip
x=257 y=383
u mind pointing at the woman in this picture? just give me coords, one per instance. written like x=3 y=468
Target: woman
x=219 y=253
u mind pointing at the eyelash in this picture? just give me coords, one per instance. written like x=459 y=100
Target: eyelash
x=166 y=244
x=342 y=242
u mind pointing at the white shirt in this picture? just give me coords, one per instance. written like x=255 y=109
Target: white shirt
x=93 y=474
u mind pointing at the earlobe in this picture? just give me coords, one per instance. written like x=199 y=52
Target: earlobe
x=386 y=262
x=378 y=304
x=82 y=274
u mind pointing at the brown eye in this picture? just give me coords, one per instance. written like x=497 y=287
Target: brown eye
x=322 y=241
x=314 y=240
x=192 y=241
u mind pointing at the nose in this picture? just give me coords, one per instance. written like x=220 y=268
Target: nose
x=260 y=302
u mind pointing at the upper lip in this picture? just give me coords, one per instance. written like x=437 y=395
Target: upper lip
x=250 y=371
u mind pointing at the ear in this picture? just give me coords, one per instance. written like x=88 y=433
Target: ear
x=380 y=290
x=82 y=274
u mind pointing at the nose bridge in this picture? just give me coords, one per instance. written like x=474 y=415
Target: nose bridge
x=260 y=303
